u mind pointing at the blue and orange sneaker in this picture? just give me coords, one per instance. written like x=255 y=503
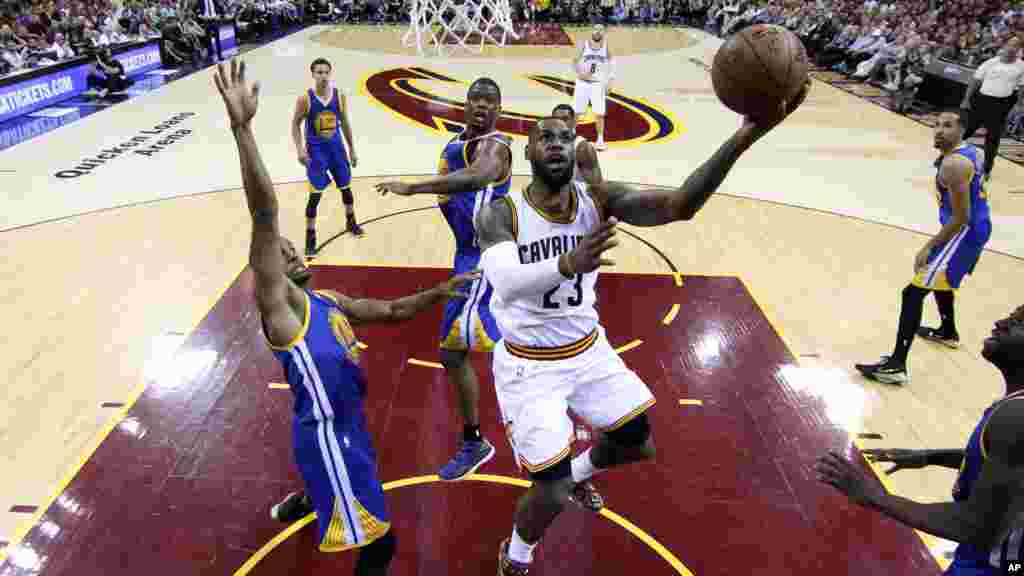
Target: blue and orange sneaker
x=470 y=457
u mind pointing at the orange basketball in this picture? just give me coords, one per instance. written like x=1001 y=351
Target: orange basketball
x=758 y=68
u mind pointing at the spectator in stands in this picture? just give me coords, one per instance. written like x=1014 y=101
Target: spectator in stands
x=994 y=91
x=888 y=54
x=108 y=74
x=95 y=37
x=863 y=48
x=835 y=51
x=177 y=50
x=61 y=48
x=910 y=75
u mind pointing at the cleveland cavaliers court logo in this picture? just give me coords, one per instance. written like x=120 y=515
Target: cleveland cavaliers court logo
x=405 y=91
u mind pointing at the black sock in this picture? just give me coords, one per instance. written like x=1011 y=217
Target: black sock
x=910 y=320
x=375 y=557
x=944 y=298
x=471 y=433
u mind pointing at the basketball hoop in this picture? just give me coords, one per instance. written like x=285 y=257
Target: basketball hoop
x=453 y=23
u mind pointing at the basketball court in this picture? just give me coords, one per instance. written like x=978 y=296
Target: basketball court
x=145 y=425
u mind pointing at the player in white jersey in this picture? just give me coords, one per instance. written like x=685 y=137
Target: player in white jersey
x=542 y=247
x=594 y=73
x=587 y=168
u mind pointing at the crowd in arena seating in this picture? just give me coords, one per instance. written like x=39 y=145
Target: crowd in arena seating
x=888 y=42
x=38 y=33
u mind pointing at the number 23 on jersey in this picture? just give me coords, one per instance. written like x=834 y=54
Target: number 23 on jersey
x=571 y=301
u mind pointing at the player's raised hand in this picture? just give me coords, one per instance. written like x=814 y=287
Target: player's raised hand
x=762 y=125
x=240 y=98
x=902 y=459
x=451 y=287
x=587 y=255
x=399 y=188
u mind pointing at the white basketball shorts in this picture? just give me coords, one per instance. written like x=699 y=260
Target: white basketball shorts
x=592 y=93
x=535 y=394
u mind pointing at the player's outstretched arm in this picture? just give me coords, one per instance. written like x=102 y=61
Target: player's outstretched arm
x=492 y=161
x=369 y=310
x=907 y=459
x=511 y=278
x=265 y=257
x=979 y=519
x=590 y=167
x=657 y=206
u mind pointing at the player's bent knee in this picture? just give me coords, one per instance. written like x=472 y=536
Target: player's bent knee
x=346 y=195
x=312 y=203
x=453 y=359
x=635 y=433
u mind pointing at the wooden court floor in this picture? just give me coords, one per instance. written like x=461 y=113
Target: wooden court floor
x=99 y=304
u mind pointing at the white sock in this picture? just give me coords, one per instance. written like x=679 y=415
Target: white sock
x=519 y=550
x=583 y=468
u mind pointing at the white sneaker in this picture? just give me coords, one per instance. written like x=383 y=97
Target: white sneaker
x=601 y=146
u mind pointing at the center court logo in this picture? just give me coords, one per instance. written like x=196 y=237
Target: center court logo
x=406 y=92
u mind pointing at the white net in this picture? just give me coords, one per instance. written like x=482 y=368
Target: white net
x=451 y=25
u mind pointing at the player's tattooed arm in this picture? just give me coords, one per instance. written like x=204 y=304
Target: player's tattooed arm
x=279 y=301
x=979 y=520
x=500 y=262
x=590 y=168
x=490 y=165
x=495 y=223
x=370 y=310
x=657 y=206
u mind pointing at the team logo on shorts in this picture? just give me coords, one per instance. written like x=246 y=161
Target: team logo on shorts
x=406 y=92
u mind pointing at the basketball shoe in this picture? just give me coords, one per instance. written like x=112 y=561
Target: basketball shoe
x=586 y=496
x=508 y=566
x=887 y=371
x=293 y=508
x=937 y=335
x=470 y=457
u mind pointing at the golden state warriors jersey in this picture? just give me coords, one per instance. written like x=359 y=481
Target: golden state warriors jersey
x=323 y=120
x=322 y=366
x=566 y=313
x=979 y=219
x=460 y=210
x=969 y=555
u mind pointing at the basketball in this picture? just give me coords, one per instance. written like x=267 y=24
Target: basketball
x=758 y=68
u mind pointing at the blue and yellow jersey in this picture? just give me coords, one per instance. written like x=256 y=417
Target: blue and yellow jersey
x=332 y=446
x=323 y=121
x=979 y=218
x=321 y=366
x=460 y=210
x=970 y=470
